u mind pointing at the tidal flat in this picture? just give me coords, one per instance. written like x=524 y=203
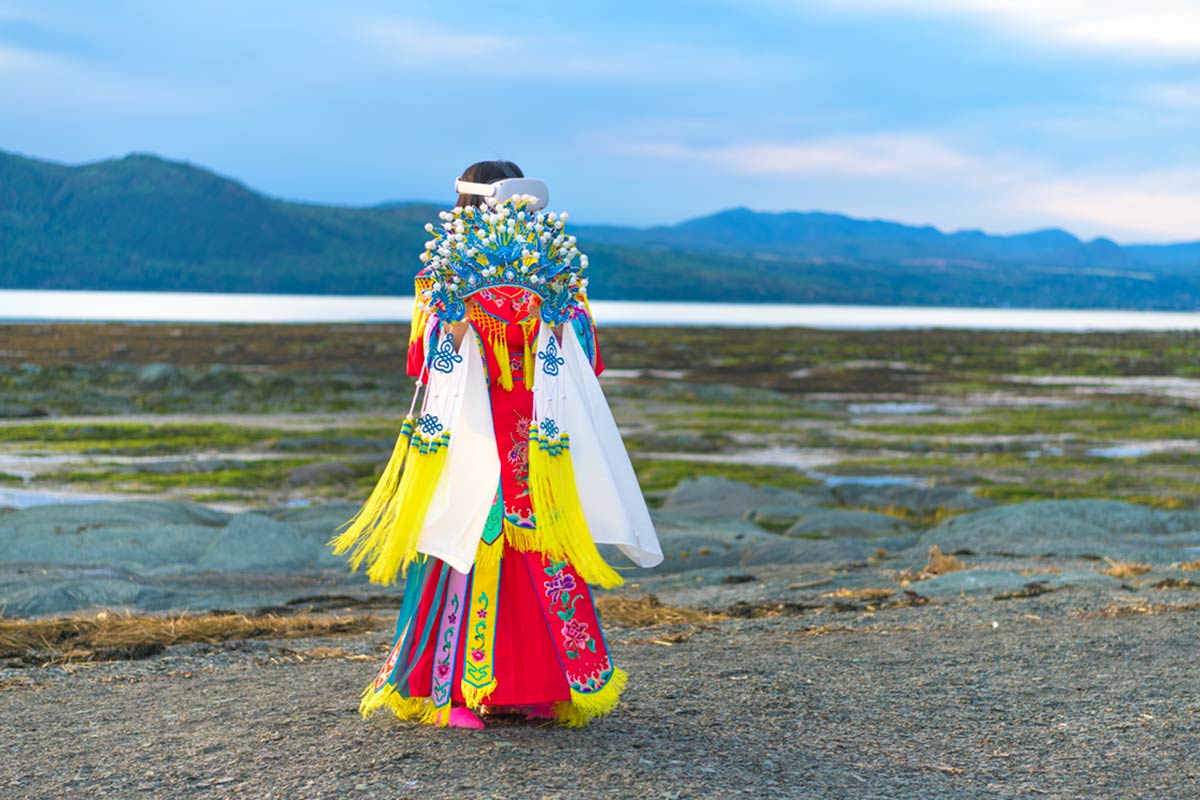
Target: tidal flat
x=245 y=415
x=902 y=564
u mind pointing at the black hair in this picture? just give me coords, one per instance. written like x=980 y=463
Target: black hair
x=486 y=172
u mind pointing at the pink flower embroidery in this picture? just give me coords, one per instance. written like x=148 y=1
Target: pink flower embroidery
x=443 y=671
x=575 y=634
x=477 y=655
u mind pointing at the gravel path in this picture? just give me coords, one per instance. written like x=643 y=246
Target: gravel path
x=952 y=700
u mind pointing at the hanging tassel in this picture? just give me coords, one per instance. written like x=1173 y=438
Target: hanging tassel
x=528 y=364
x=402 y=707
x=364 y=531
x=500 y=350
x=419 y=316
x=396 y=547
x=582 y=708
x=524 y=539
x=560 y=522
x=436 y=715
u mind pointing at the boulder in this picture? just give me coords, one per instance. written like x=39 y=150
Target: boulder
x=1094 y=528
x=159 y=375
x=717 y=497
x=829 y=522
x=255 y=542
x=917 y=499
x=781 y=515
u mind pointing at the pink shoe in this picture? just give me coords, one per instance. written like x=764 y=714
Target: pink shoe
x=541 y=711
x=463 y=717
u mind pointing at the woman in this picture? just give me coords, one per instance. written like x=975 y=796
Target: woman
x=498 y=491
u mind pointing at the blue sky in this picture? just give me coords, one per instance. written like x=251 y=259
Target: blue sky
x=1004 y=115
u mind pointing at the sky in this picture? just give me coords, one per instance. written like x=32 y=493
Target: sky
x=1003 y=115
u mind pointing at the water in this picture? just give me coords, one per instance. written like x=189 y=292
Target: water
x=1119 y=451
x=866 y=480
x=891 y=408
x=21 y=305
x=28 y=498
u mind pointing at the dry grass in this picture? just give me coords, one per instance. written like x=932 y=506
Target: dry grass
x=939 y=563
x=938 y=515
x=1175 y=583
x=1189 y=566
x=108 y=636
x=1138 y=608
x=646 y=610
x=1124 y=569
x=936 y=563
x=1042 y=571
x=890 y=510
x=870 y=595
x=942 y=514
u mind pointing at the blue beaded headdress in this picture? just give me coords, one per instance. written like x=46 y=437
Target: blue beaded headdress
x=503 y=244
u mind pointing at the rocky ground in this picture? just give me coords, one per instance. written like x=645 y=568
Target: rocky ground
x=945 y=565
x=1049 y=651
x=1043 y=697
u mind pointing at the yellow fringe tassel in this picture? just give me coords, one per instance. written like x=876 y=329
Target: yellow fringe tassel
x=396 y=547
x=582 y=708
x=419 y=317
x=500 y=349
x=574 y=713
x=402 y=707
x=560 y=522
x=436 y=715
x=528 y=363
x=384 y=531
x=476 y=695
x=524 y=539
x=359 y=535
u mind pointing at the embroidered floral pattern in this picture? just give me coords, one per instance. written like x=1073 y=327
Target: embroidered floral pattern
x=518 y=454
x=443 y=663
x=577 y=635
x=560 y=583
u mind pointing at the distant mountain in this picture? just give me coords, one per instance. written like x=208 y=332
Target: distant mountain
x=143 y=222
x=838 y=238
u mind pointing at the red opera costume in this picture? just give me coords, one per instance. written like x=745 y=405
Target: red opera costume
x=497 y=494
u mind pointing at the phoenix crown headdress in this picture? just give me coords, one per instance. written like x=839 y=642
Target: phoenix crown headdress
x=504 y=243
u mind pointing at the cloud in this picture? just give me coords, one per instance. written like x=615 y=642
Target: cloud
x=410 y=41
x=552 y=55
x=37 y=80
x=1158 y=205
x=1156 y=28
x=850 y=156
x=1173 y=96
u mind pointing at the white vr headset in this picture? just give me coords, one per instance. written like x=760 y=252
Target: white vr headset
x=506 y=188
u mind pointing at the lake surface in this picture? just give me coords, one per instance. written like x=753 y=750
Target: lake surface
x=19 y=305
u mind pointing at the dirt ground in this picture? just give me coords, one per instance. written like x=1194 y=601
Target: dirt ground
x=1026 y=698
